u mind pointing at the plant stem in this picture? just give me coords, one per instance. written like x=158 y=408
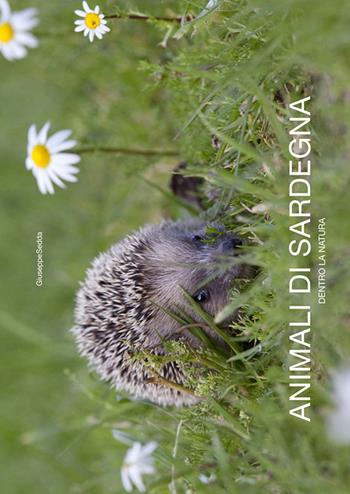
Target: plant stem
x=141 y=17
x=129 y=151
x=161 y=381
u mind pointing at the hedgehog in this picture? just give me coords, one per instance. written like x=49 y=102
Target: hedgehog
x=125 y=304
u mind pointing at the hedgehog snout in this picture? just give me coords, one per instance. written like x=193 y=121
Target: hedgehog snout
x=231 y=244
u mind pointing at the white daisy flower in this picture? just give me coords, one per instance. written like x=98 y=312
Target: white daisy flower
x=15 y=37
x=93 y=22
x=339 y=419
x=137 y=462
x=46 y=159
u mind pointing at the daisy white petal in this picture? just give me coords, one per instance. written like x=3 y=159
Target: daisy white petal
x=149 y=448
x=29 y=164
x=8 y=53
x=86 y=6
x=48 y=183
x=58 y=138
x=20 y=51
x=5 y=10
x=61 y=169
x=70 y=169
x=67 y=158
x=32 y=135
x=41 y=184
x=80 y=13
x=55 y=178
x=63 y=146
x=25 y=25
x=78 y=29
x=133 y=453
x=27 y=39
x=42 y=136
x=135 y=477
x=40 y=181
x=125 y=480
x=68 y=177
x=148 y=469
x=25 y=19
x=66 y=169
x=91 y=36
x=26 y=13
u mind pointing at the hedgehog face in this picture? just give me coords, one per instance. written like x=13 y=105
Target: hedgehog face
x=203 y=261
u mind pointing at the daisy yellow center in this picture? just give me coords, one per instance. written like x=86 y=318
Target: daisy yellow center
x=6 y=32
x=41 y=156
x=92 y=20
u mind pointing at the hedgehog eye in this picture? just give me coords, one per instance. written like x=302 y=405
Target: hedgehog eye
x=202 y=296
x=197 y=238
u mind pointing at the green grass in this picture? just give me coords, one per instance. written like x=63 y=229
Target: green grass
x=56 y=418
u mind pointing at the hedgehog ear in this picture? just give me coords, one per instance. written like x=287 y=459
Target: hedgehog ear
x=186 y=188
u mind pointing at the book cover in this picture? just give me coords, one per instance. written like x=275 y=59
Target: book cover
x=175 y=238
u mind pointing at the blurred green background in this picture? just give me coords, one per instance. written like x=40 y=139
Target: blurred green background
x=98 y=92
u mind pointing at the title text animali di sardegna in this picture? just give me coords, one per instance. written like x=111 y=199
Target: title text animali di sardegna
x=299 y=247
